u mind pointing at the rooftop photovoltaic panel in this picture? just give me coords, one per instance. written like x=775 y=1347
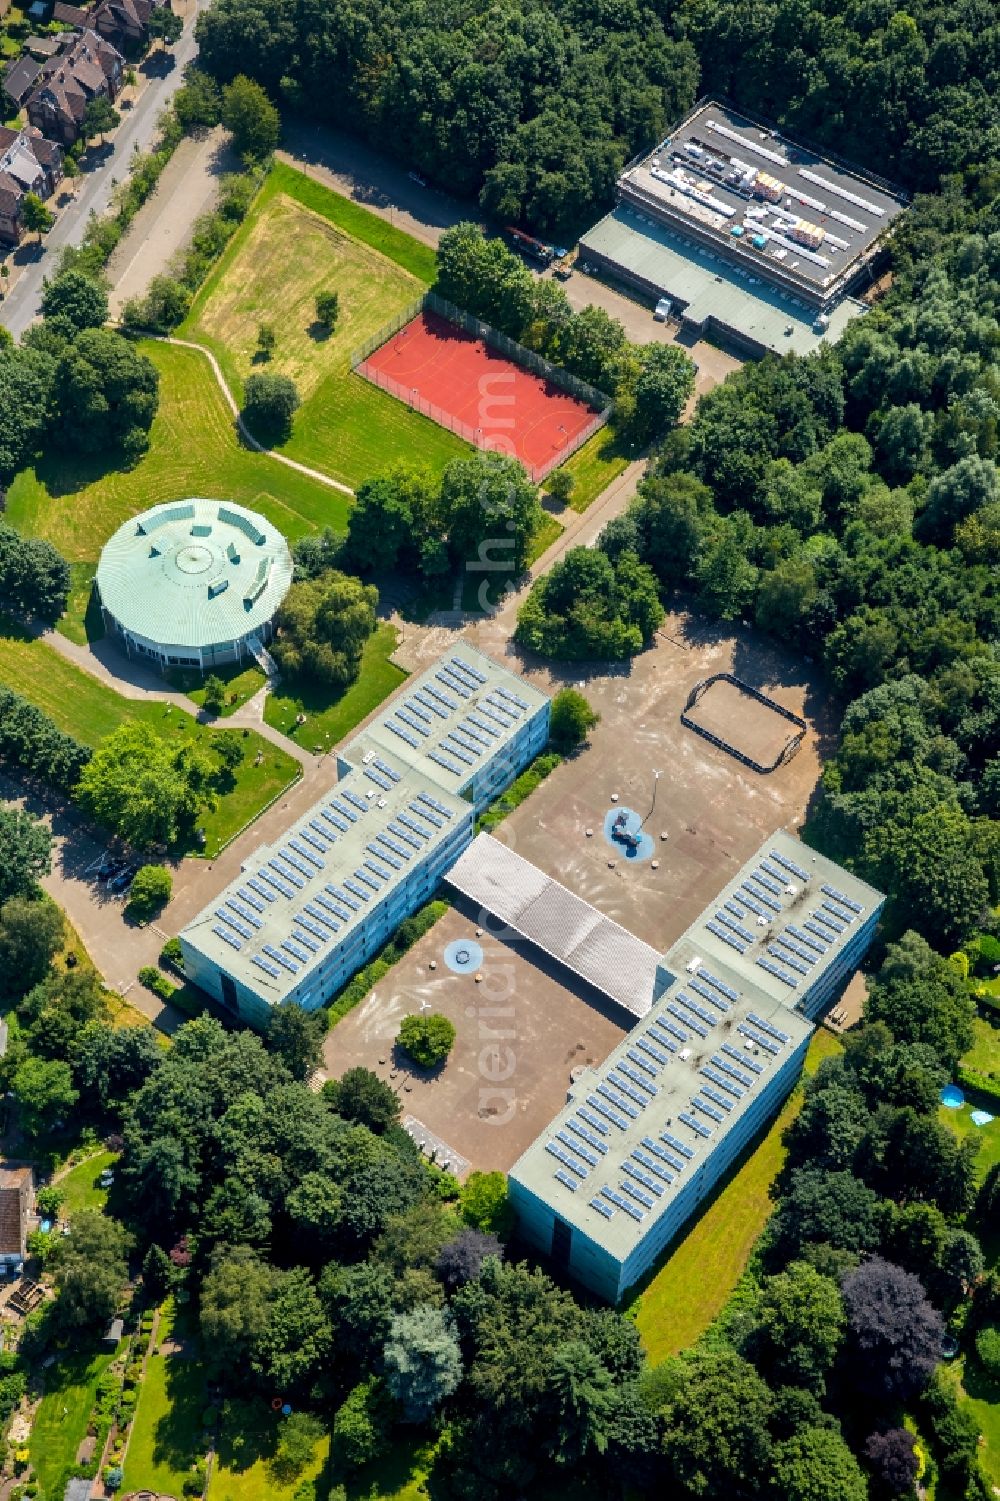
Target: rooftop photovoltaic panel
x=378 y=779
x=227 y=937
x=760 y=896
x=469 y=731
x=819 y=932
x=358 y=802
x=261 y=890
x=565 y=1179
x=342 y=806
x=649 y=1047
x=266 y=966
x=602 y=1207
x=637 y=1078
x=651 y=1165
x=426 y=813
x=448 y=765
x=311 y=926
x=243 y=912
x=812 y=943
x=758 y=1038
x=741 y=1058
x=402 y=833
x=408 y=717
x=839 y=919
x=365 y=879
x=662 y=1037
x=706 y=1109
x=637 y=1193
x=473 y=744
x=415 y=707
x=753 y=904
x=717 y=931
x=432 y=802
x=790 y=865
x=674 y=1031
x=356 y=890
x=628 y=1089
x=761 y=876
x=248 y=896
x=414 y=828
x=394 y=845
x=720 y=985
x=717 y=1098
x=401 y=731
x=720 y=1078
x=334 y=907
x=587 y=1135
x=708 y=994
x=643 y=1063
x=377 y=871
x=593 y=1120
x=788 y=959
x=336 y=820
x=376 y=849
x=845 y=901
x=486 y=708
x=696 y=1126
x=768 y=1027
x=277 y=880
x=452 y=681
x=575 y=1146
x=696 y=1007
x=795 y=947
x=281 y=959
x=322 y=917
x=622 y=1203
x=513 y=698
x=622 y=1106
x=643 y=1176
x=451 y=745
x=730 y=1067
x=449 y=703
x=777 y=971
x=481 y=724
x=293 y=947
x=428 y=701
x=322 y=833
x=322 y=844
x=566 y=1160
x=679 y=1146
x=470 y=668
x=307 y=854
x=302 y=938
x=296 y=862
x=677 y=1163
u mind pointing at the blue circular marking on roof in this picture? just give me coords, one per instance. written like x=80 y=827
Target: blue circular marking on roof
x=464 y=956
x=952 y=1097
x=622 y=830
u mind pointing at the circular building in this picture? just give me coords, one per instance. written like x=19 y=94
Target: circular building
x=194 y=583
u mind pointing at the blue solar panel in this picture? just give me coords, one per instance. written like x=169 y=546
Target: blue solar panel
x=777 y=971
x=277 y=880
x=428 y=702
x=723 y=1081
x=718 y=931
x=741 y=1058
x=452 y=682
x=378 y=779
x=355 y=800
x=281 y=959
x=377 y=871
x=439 y=760
x=401 y=731
x=758 y=1038
x=415 y=707
x=637 y=1193
x=845 y=901
x=679 y=1146
x=790 y=865
x=253 y=901
x=762 y=896
x=227 y=937
x=677 y=1163
x=295 y=949
x=643 y=1063
x=602 y=1208
x=717 y=1097
x=404 y=834
x=431 y=818
x=652 y=1165
x=622 y=1203
x=730 y=1068
x=565 y=1180
x=311 y=926
x=443 y=698
x=575 y=1146
x=374 y=849
x=636 y=1077
x=650 y=1047
x=783 y=956
x=613 y=1116
x=302 y=938
x=627 y=1089
x=641 y=1175
x=587 y=1134
x=413 y=826
x=307 y=854
x=706 y=1109
x=320 y=841
x=696 y=1126
x=768 y=1027
x=267 y=967
x=812 y=943
x=255 y=885
x=763 y=879
x=566 y=1160
x=343 y=807
x=465 y=666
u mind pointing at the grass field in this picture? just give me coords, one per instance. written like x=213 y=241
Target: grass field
x=61 y=1421
x=247 y=1442
x=166 y=1437
x=599 y=461
x=83 y=620
x=981 y=1397
x=984 y=1054
x=80 y=1187
x=78 y=503
x=85 y=708
x=291 y=246
x=241 y=683
x=328 y=720
x=692 y=1285
x=987 y=1137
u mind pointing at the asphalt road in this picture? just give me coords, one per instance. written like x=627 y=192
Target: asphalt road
x=138 y=130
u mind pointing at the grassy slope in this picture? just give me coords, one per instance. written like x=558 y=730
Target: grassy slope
x=294 y=243
x=84 y=707
x=329 y=720
x=601 y=459
x=77 y=504
x=166 y=1433
x=692 y=1285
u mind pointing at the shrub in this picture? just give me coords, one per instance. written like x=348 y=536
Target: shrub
x=215 y=694
x=150 y=976
x=988 y=1350
x=172 y=955
x=571 y=719
x=150 y=891
x=327 y=308
x=427 y=1039
x=48 y=1201
x=485 y=1205
x=269 y=403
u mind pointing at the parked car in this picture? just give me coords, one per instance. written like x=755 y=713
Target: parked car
x=662 y=310
x=123 y=880
x=112 y=865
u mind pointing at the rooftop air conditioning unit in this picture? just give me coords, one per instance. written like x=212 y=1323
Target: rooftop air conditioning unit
x=695 y=964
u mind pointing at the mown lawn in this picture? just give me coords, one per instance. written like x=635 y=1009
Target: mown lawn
x=85 y=708
x=61 y=1421
x=691 y=1287
x=81 y=1189
x=291 y=246
x=984 y=1054
x=166 y=1437
x=987 y=1138
x=981 y=1397
x=593 y=467
x=330 y=720
x=241 y=683
x=83 y=620
x=78 y=502
x=247 y=1441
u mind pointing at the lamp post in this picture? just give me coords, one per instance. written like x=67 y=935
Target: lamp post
x=656 y=778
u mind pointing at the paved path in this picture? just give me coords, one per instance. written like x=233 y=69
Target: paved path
x=188 y=188
x=138 y=130
x=245 y=433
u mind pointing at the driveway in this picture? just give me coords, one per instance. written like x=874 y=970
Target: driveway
x=136 y=132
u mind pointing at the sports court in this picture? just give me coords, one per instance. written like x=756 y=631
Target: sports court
x=461 y=383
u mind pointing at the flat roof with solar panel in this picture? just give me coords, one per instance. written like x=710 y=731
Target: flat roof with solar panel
x=726 y=1018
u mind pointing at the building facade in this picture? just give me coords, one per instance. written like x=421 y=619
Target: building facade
x=307 y=912
x=644 y=1138
x=17 y=1186
x=28 y=164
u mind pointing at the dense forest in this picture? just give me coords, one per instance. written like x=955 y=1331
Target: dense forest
x=535 y=107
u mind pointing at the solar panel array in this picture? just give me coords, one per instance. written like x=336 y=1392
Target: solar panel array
x=451 y=699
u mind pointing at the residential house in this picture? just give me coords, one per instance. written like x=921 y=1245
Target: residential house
x=91 y=67
x=124 y=23
x=20 y=79
x=17 y=1186
x=28 y=164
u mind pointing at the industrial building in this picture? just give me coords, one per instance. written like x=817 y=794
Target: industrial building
x=749 y=234
x=195 y=583
x=644 y=1138
x=306 y=913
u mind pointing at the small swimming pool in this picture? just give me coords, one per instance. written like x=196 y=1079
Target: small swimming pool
x=952 y=1097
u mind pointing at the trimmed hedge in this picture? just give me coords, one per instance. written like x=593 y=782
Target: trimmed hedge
x=408 y=933
x=541 y=767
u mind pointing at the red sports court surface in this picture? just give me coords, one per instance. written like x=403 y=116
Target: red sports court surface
x=461 y=383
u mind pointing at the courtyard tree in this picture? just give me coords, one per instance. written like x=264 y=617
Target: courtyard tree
x=427 y=1038
x=580 y=1401
x=35 y=217
x=270 y=401
x=322 y=626
x=150 y=891
x=570 y=719
x=267 y=340
x=663 y=386
x=250 y=116
x=461 y=1260
x=485 y=1203
x=560 y=485
x=99 y=116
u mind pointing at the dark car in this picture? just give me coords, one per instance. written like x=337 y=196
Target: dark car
x=123 y=880
x=110 y=868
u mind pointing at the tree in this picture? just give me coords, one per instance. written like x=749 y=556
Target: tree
x=827 y=1207
x=664 y=385
x=801 y=1325
x=289 y=1350
x=359 y=1095
x=266 y=341
x=35 y=217
x=297 y=1038
x=894 y=1333
x=360 y=1425
x=485 y=1203
x=25 y=853
x=198 y=101
x=150 y=890
x=112 y=1063
x=90 y=1268
x=297 y=1439
x=815 y=1464
x=99 y=116
x=715 y=1411
x=988 y=1350
x=45 y=1094
x=164 y=25
x=488 y=507
x=31 y=934
x=588 y=607
x=328 y=309
x=461 y=1260
x=143 y=788
x=570 y=719
x=560 y=485
x=34 y=582
x=423 y=1364
x=427 y=1038
x=107 y=393
x=892 y=1458
x=269 y=404
x=215 y=694
x=251 y=117
x=73 y=302
x=579 y=1401
x=236 y=1298
x=921 y=997
x=322 y=626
